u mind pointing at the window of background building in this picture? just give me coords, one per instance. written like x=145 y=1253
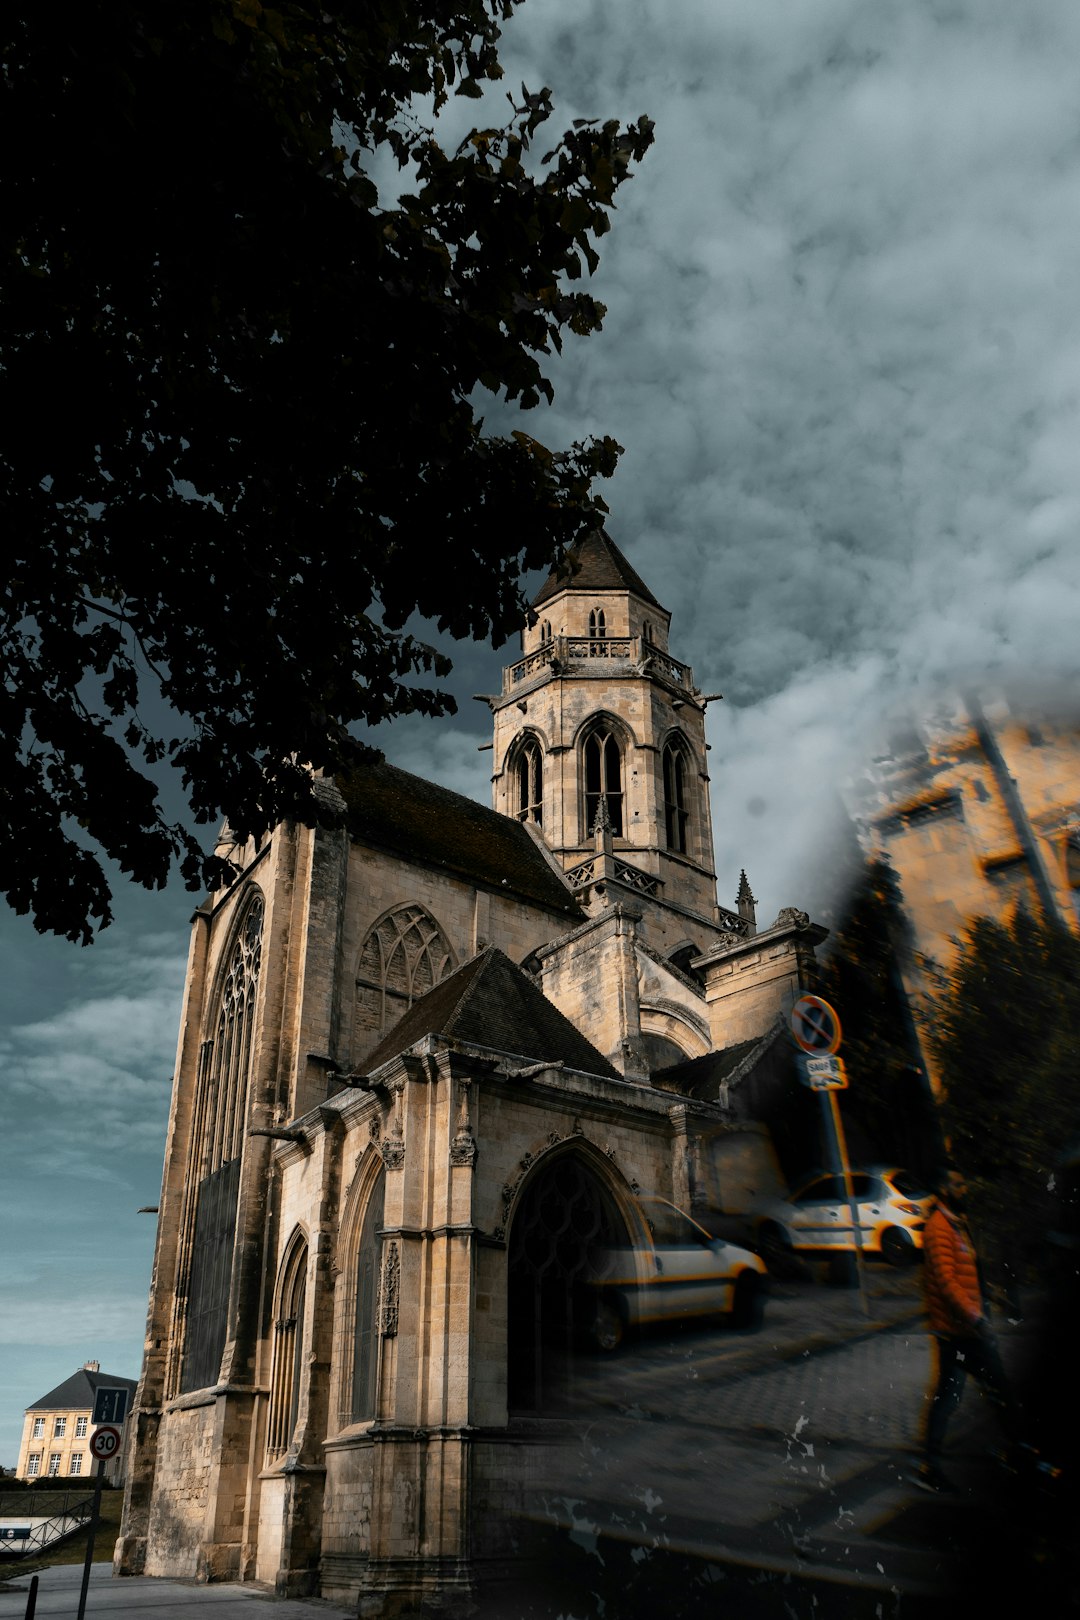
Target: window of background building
x=54 y=1464
x=75 y=1466
x=597 y=622
x=33 y=1465
x=39 y=1428
x=59 y=1428
x=80 y=1428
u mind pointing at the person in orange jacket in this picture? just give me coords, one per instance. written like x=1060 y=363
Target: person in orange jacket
x=959 y=1320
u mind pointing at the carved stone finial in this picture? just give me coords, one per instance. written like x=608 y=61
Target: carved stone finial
x=601 y=827
x=745 y=900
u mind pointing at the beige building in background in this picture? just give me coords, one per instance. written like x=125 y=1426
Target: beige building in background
x=57 y=1429
x=430 y=1053
x=976 y=806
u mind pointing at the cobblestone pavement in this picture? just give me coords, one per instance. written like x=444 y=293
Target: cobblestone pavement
x=776 y=1457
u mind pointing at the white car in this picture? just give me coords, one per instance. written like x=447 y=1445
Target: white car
x=673 y=1270
x=815 y=1220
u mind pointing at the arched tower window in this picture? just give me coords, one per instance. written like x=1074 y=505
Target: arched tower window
x=365 y=1360
x=646 y=630
x=404 y=955
x=213 y=1181
x=529 y=782
x=676 y=814
x=602 y=759
x=597 y=622
x=287 y=1367
x=545 y=629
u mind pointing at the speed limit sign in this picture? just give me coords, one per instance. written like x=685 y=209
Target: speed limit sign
x=105 y=1443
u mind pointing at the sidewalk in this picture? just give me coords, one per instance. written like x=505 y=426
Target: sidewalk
x=141 y=1597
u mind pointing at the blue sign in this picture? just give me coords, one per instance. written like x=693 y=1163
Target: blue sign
x=110 y=1404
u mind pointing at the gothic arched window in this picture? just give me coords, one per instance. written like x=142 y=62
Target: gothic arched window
x=365 y=1359
x=646 y=631
x=404 y=956
x=529 y=782
x=288 y=1362
x=545 y=629
x=597 y=622
x=676 y=814
x=602 y=760
x=208 y=1217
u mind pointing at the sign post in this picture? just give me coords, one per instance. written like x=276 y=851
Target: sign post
x=104 y=1443
x=815 y=1024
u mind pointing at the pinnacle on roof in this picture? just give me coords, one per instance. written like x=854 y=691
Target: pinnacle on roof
x=744 y=889
x=596 y=564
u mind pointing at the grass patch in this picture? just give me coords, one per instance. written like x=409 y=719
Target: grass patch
x=73 y=1549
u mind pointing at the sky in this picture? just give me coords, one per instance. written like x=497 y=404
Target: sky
x=843 y=358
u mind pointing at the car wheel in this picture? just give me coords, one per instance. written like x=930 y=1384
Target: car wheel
x=608 y=1328
x=748 y=1303
x=896 y=1247
x=776 y=1250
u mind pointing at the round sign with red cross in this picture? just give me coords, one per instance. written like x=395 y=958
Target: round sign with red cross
x=816 y=1026
x=105 y=1442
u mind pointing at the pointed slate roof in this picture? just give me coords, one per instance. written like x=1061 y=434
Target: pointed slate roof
x=424 y=822
x=76 y=1394
x=490 y=1001
x=597 y=564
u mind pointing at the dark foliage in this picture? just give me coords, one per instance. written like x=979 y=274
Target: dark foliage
x=1006 y=1033
x=240 y=445
x=886 y=1104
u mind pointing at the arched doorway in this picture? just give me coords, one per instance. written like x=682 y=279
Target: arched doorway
x=565 y=1226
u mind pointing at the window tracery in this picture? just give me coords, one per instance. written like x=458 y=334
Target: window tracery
x=597 y=623
x=529 y=782
x=403 y=956
x=676 y=812
x=602 y=761
x=288 y=1359
x=208 y=1218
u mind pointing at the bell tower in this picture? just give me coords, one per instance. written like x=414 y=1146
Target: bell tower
x=600 y=736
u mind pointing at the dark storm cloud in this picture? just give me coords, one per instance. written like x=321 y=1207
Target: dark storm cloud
x=841 y=355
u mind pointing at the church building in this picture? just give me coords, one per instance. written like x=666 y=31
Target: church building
x=428 y=1059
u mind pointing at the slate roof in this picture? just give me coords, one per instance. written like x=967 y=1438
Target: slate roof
x=490 y=1001
x=431 y=824
x=598 y=565
x=701 y=1077
x=76 y=1394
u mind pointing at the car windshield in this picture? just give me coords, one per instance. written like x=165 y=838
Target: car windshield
x=908 y=1185
x=669 y=1227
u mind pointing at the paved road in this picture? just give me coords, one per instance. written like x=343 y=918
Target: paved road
x=788 y=1457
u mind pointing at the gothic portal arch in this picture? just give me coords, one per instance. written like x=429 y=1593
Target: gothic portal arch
x=565 y=1223
x=404 y=955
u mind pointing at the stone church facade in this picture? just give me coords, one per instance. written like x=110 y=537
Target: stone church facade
x=416 y=1051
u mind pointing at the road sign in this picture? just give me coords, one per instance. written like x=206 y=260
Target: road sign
x=815 y=1026
x=105 y=1443
x=110 y=1404
x=823 y=1073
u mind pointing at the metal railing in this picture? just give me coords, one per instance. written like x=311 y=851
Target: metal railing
x=65 y=1514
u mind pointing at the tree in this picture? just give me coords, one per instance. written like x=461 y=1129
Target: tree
x=239 y=383
x=1005 y=1031
x=887 y=1099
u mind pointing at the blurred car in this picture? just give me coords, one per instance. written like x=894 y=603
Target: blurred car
x=815 y=1220
x=673 y=1270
